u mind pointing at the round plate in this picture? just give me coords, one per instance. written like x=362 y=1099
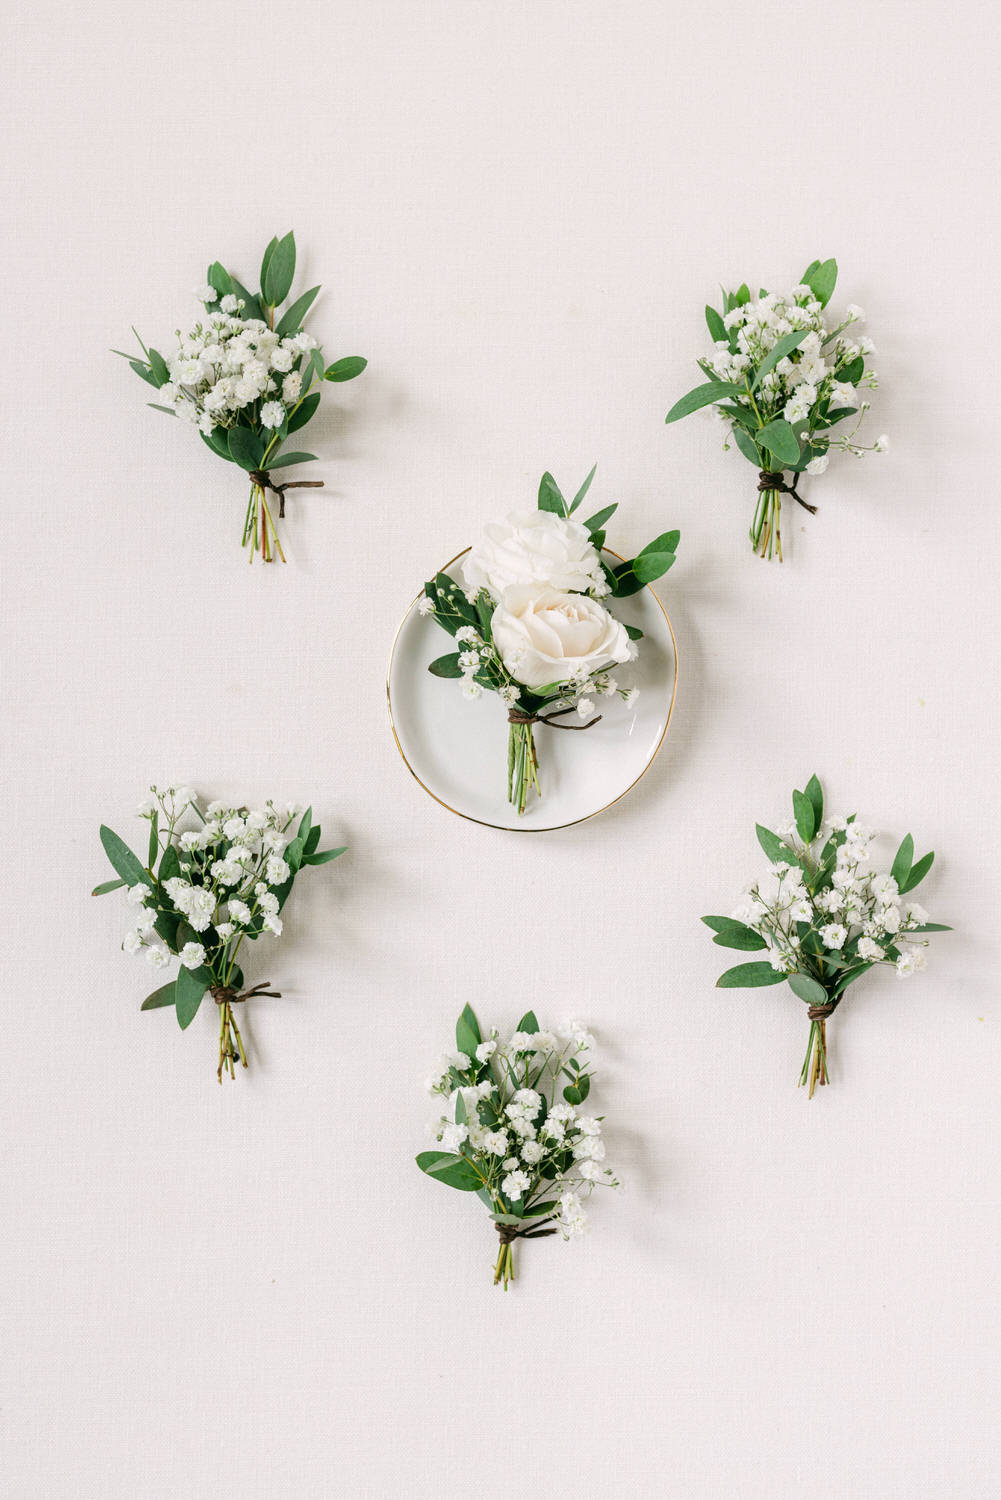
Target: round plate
x=457 y=749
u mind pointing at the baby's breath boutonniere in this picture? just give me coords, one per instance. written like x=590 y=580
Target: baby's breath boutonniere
x=247 y=375
x=531 y=619
x=513 y=1132
x=781 y=380
x=825 y=917
x=212 y=881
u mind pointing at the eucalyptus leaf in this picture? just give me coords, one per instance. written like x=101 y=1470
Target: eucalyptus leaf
x=598 y=520
x=189 y=987
x=716 y=326
x=816 y=795
x=528 y=1023
x=784 y=346
x=917 y=873
x=323 y=856
x=780 y=440
x=123 y=861
x=810 y=990
x=467 y=1032
x=450 y=1169
x=280 y=272
x=822 y=281
x=805 y=816
x=246 y=448
x=777 y=852
x=286 y=460
x=749 y=976
x=303 y=412
x=902 y=861
x=582 y=491
x=291 y=320
x=106 y=886
x=160 y=998
x=733 y=934
x=348 y=368
x=550 y=496
x=446 y=666
x=703 y=395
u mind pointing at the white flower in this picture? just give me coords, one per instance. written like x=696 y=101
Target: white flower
x=267 y=901
x=486 y=1050
x=146 y=919
x=158 y=956
x=585 y=706
x=855 y=313
x=870 y=950
x=239 y=912
x=588 y=1125
x=589 y=1170
x=514 y=1184
x=132 y=941
x=534 y=548
x=138 y=894
x=425 y=606
x=453 y=1135
x=471 y=690
x=469 y=661
x=531 y=1152
x=572 y=1216
x=273 y=924
x=544 y=636
x=192 y=955
x=914 y=913
x=907 y=963
x=467 y=635
x=630 y=697
x=882 y=443
x=272 y=414
x=224 y=931
x=509 y=694
x=276 y=870
x=303 y=341
x=283 y=358
x=528 y=1100
x=818 y=465
x=460 y=1061
x=229 y=303
x=833 y=935
x=227 y=872
x=885 y=890
x=496 y=1142
x=888 y=918
x=206 y=293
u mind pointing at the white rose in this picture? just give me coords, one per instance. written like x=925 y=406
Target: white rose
x=546 y=636
x=536 y=547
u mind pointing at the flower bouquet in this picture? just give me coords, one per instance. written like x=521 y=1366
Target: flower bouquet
x=206 y=889
x=532 y=627
x=244 y=375
x=530 y=1156
x=782 y=380
x=824 y=917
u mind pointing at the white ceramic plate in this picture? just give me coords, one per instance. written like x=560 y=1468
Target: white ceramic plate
x=457 y=749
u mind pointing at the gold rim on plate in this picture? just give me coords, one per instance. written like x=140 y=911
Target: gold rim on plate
x=506 y=827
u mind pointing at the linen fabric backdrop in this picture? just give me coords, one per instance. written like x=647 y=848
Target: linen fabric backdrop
x=517 y=213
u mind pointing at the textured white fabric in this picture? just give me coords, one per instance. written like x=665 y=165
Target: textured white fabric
x=517 y=213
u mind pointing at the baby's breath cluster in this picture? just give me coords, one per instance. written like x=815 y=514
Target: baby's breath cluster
x=782 y=378
x=824 y=916
x=213 y=879
x=513 y=1131
x=247 y=377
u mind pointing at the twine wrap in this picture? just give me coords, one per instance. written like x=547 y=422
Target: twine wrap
x=262 y=478
x=769 y=481
x=507 y=1233
x=224 y=994
x=518 y=716
x=821 y=1012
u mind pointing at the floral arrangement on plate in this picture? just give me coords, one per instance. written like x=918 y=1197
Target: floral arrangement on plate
x=204 y=890
x=512 y=1131
x=825 y=917
x=782 y=380
x=530 y=618
x=247 y=376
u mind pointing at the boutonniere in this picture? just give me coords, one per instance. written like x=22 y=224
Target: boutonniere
x=781 y=379
x=513 y=1131
x=212 y=881
x=247 y=375
x=825 y=916
x=532 y=617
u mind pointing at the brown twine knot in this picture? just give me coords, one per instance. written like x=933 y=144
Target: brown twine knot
x=262 y=478
x=769 y=481
x=507 y=1233
x=224 y=994
x=518 y=716
x=821 y=1012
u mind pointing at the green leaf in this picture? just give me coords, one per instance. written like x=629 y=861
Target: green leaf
x=902 y=861
x=743 y=295
x=159 y=367
x=597 y=521
x=159 y=998
x=810 y=990
x=452 y=1170
x=852 y=372
x=784 y=346
x=323 y=856
x=746 y=445
x=917 y=873
x=217 y=440
x=316 y=363
x=291 y=320
x=348 y=368
x=715 y=324
x=576 y=1093
x=446 y=666
x=170 y=864
x=931 y=927
x=805 y=278
x=780 y=440
x=467 y=1033
x=144 y=373
x=582 y=491
x=777 y=852
x=815 y=793
x=666 y=542
x=822 y=281
x=108 y=885
x=847 y=979
x=123 y=861
x=749 y=976
x=633 y=632
x=286 y=460
x=733 y=934
x=251 y=305
x=703 y=395
x=280 y=271
x=304 y=411
x=650 y=566
x=246 y=448
x=189 y=987
x=806 y=825
x=293 y=855
x=220 y=278
x=266 y=261
x=528 y=1023
x=550 y=497
x=305 y=827
x=168 y=410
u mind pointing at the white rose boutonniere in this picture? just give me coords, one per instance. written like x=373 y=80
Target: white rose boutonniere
x=530 y=623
